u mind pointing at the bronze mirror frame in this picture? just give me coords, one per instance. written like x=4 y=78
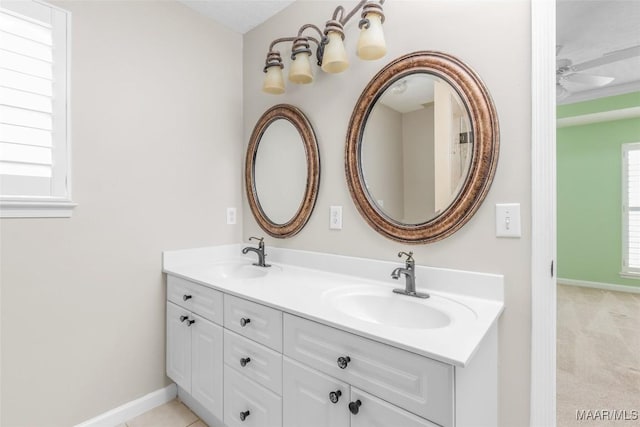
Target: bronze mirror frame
x=484 y=123
x=298 y=119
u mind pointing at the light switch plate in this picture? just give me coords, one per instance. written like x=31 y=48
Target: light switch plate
x=508 y=220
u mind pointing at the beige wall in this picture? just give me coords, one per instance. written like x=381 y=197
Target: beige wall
x=494 y=38
x=157 y=140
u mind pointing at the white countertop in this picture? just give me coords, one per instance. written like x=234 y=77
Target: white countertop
x=306 y=292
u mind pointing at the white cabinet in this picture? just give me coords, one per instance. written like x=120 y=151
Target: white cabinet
x=194 y=344
x=248 y=364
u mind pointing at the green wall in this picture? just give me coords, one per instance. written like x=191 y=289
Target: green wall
x=589 y=169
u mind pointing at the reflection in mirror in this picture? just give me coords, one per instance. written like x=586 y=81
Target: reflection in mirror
x=280 y=171
x=422 y=147
x=416 y=148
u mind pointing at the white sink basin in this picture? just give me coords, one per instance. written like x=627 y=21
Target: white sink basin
x=238 y=270
x=383 y=307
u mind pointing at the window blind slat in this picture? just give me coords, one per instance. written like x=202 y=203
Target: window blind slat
x=26 y=154
x=28 y=101
x=25 y=82
x=38 y=32
x=27 y=118
x=23 y=169
x=26 y=65
x=25 y=136
x=26 y=47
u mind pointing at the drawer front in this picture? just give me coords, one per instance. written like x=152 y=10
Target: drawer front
x=419 y=384
x=254 y=360
x=374 y=412
x=199 y=299
x=243 y=397
x=257 y=322
x=307 y=401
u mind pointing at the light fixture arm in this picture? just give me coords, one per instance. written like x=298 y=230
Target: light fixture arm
x=319 y=43
x=344 y=19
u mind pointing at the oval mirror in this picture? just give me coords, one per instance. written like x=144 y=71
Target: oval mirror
x=282 y=171
x=422 y=147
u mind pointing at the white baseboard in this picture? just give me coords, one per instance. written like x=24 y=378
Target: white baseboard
x=599 y=285
x=132 y=409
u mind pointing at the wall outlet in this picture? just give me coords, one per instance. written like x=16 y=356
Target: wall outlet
x=231 y=216
x=335 y=217
x=508 y=220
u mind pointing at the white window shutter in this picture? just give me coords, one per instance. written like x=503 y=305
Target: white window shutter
x=34 y=146
x=631 y=207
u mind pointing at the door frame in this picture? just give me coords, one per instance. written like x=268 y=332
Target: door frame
x=543 y=214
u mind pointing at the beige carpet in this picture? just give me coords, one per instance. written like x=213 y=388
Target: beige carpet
x=598 y=356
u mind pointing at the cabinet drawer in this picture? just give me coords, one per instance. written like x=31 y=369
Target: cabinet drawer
x=374 y=412
x=260 y=407
x=199 y=299
x=258 y=322
x=419 y=384
x=254 y=360
x=306 y=401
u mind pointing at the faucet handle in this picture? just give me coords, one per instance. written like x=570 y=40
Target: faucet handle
x=409 y=256
x=260 y=241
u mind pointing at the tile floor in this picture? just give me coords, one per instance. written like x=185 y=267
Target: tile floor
x=598 y=354
x=172 y=414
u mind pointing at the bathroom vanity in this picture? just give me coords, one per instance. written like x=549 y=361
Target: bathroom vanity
x=322 y=340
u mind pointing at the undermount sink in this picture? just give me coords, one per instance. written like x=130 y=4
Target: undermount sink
x=238 y=270
x=383 y=307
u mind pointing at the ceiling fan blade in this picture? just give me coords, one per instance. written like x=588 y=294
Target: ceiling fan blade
x=588 y=80
x=608 y=58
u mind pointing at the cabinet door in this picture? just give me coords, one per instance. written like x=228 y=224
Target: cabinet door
x=206 y=364
x=178 y=346
x=374 y=412
x=306 y=400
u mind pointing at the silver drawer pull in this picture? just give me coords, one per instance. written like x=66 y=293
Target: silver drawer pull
x=244 y=321
x=244 y=361
x=186 y=297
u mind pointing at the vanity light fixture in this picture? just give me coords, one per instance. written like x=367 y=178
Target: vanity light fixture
x=330 y=53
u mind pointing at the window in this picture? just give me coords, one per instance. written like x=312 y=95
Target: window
x=631 y=209
x=34 y=110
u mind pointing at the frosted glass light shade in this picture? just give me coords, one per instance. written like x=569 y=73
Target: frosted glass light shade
x=335 y=56
x=273 y=81
x=300 y=70
x=371 y=44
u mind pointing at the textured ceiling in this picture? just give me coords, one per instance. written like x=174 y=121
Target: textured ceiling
x=239 y=15
x=589 y=29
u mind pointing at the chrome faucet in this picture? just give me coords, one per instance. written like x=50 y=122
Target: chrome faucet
x=409 y=272
x=259 y=250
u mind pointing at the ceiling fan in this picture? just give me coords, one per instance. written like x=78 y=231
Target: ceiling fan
x=571 y=78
